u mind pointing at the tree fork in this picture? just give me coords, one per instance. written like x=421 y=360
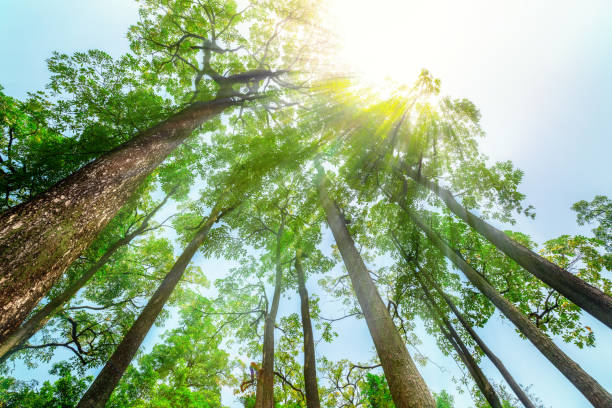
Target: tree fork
x=11 y=343
x=407 y=387
x=310 y=362
x=101 y=389
x=586 y=384
x=39 y=239
x=589 y=298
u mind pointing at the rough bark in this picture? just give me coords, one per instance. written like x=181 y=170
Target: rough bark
x=455 y=340
x=586 y=384
x=264 y=397
x=101 y=389
x=310 y=363
x=407 y=387
x=41 y=238
x=589 y=298
x=12 y=342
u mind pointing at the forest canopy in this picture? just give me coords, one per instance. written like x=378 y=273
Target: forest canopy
x=211 y=218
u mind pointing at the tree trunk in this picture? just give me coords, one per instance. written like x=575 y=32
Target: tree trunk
x=454 y=339
x=41 y=238
x=589 y=298
x=11 y=343
x=407 y=387
x=264 y=397
x=586 y=384
x=101 y=389
x=310 y=363
x=522 y=396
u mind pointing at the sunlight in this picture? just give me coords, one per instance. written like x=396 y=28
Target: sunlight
x=379 y=45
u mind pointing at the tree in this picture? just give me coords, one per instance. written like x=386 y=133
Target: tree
x=406 y=385
x=99 y=392
x=599 y=210
x=310 y=367
x=61 y=222
x=186 y=370
x=589 y=387
x=62 y=393
x=39 y=319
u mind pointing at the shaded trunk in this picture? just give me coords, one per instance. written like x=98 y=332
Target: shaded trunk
x=11 y=343
x=587 y=297
x=522 y=396
x=407 y=387
x=454 y=339
x=586 y=384
x=264 y=397
x=41 y=238
x=101 y=389
x=310 y=363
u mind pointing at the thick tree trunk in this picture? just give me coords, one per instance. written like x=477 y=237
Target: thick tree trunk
x=407 y=387
x=586 y=384
x=11 y=343
x=454 y=339
x=41 y=238
x=522 y=396
x=589 y=298
x=310 y=363
x=101 y=389
x=264 y=397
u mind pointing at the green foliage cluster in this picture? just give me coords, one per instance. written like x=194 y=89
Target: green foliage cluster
x=258 y=163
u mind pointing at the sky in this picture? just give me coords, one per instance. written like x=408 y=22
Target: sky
x=540 y=73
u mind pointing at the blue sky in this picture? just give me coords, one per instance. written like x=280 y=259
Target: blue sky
x=540 y=72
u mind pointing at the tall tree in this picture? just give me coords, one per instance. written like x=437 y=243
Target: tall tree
x=265 y=381
x=586 y=384
x=453 y=337
x=100 y=390
x=60 y=223
x=522 y=395
x=590 y=298
x=438 y=142
x=40 y=318
x=406 y=384
x=186 y=370
x=310 y=364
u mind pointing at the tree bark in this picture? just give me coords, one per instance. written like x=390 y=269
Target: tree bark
x=522 y=396
x=454 y=339
x=589 y=298
x=264 y=397
x=310 y=363
x=11 y=343
x=586 y=384
x=101 y=389
x=41 y=238
x=407 y=387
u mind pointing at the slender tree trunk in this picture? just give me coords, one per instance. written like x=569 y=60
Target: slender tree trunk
x=12 y=342
x=454 y=339
x=586 y=384
x=407 y=387
x=264 y=397
x=39 y=239
x=589 y=298
x=101 y=389
x=522 y=396
x=310 y=363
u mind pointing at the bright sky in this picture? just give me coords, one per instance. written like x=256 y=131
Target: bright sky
x=540 y=72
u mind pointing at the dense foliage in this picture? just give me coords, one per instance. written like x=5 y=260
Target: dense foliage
x=245 y=191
